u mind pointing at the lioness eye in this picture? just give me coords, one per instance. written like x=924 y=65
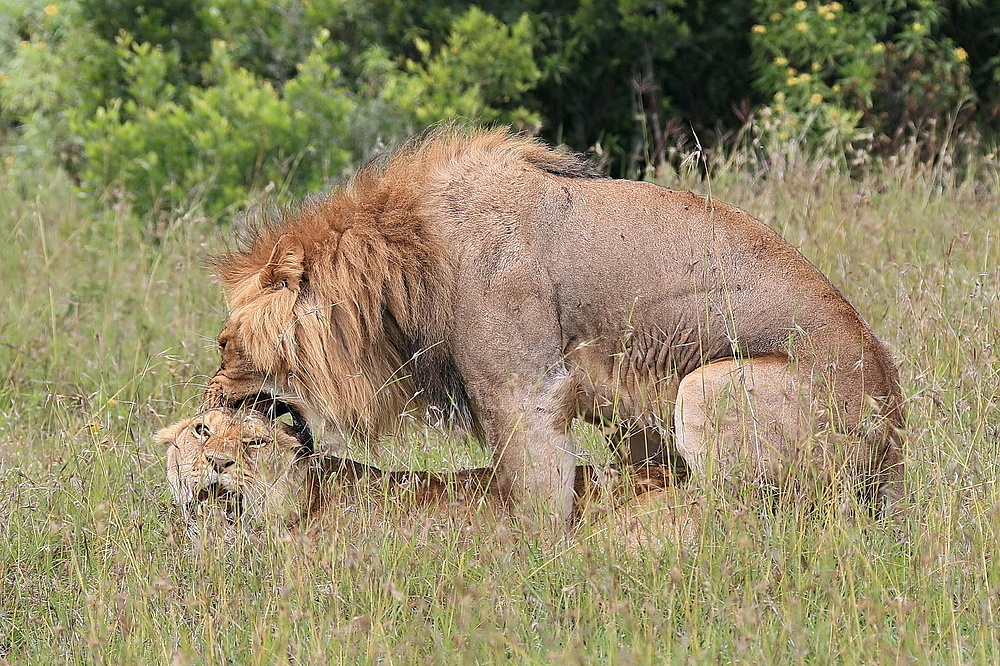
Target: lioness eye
x=257 y=443
x=202 y=430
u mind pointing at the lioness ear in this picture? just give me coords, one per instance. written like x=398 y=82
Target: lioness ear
x=284 y=268
x=169 y=434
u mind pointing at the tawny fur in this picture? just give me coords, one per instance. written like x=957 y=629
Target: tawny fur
x=255 y=469
x=484 y=277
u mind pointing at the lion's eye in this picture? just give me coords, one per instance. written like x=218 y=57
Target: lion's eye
x=281 y=284
x=257 y=443
x=202 y=430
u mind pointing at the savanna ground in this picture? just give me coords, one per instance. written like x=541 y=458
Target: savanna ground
x=107 y=334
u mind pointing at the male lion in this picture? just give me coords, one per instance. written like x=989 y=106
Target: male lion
x=509 y=287
x=247 y=467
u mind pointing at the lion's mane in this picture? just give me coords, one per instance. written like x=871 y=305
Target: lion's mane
x=347 y=297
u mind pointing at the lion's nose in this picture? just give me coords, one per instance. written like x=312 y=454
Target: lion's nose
x=219 y=462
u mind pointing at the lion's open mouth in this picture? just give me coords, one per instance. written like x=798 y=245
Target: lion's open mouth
x=274 y=408
x=216 y=500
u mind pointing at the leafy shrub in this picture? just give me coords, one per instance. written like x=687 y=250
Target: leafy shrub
x=481 y=72
x=192 y=102
x=209 y=145
x=157 y=121
x=857 y=77
x=922 y=95
x=175 y=25
x=47 y=65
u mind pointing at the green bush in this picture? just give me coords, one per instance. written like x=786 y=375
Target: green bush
x=158 y=122
x=48 y=66
x=868 y=77
x=208 y=145
x=195 y=102
x=481 y=72
x=175 y=25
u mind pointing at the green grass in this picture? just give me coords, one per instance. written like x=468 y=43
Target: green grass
x=106 y=334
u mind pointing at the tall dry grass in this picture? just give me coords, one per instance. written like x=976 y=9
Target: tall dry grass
x=106 y=334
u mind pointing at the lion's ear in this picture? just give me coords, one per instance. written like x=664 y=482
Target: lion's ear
x=169 y=434
x=284 y=268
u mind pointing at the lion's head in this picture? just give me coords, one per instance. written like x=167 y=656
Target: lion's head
x=238 y=464
x=317 y=346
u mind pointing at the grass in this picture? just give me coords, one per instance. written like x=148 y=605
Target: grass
x=107 y=334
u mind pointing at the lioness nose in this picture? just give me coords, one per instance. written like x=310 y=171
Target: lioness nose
x=219 y=461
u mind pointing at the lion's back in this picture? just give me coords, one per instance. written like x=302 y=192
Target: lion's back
x=620 y=250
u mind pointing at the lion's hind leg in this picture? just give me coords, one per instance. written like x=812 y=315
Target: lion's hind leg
x=746 y=422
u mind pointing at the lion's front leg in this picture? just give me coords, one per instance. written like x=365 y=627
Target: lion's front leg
x=508 y=347
x=528 y=429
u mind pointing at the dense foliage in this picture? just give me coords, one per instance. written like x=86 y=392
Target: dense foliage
x=194 y=102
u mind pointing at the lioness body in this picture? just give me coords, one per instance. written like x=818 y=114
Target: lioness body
x=491 y=279
x=250 y=467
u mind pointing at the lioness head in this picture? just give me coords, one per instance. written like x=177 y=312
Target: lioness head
x=238 y=464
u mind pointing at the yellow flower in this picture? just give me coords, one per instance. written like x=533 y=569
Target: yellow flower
x=782 y=136
x=779 y=96
x=917 y=27
x=800 y=5
x=759 y=29
x=791 y=71
x=792 y=81
x=793 y=121
x=836 y=6
x=836 y=88
x=51 y=10
x=815 y=98
x=23 y=44
x=805 y=78
x=878 y=48
x=833 y=31
x=801 y=26
x=112 y=403
x=815 y=66
x=961 y=53
x=9 y=160
x=781 y=61
x=829 y=16
x=3 y=78
x=775 y=17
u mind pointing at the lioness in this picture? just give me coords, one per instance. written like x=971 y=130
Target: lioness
x=246 y=467
x=511 y=288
